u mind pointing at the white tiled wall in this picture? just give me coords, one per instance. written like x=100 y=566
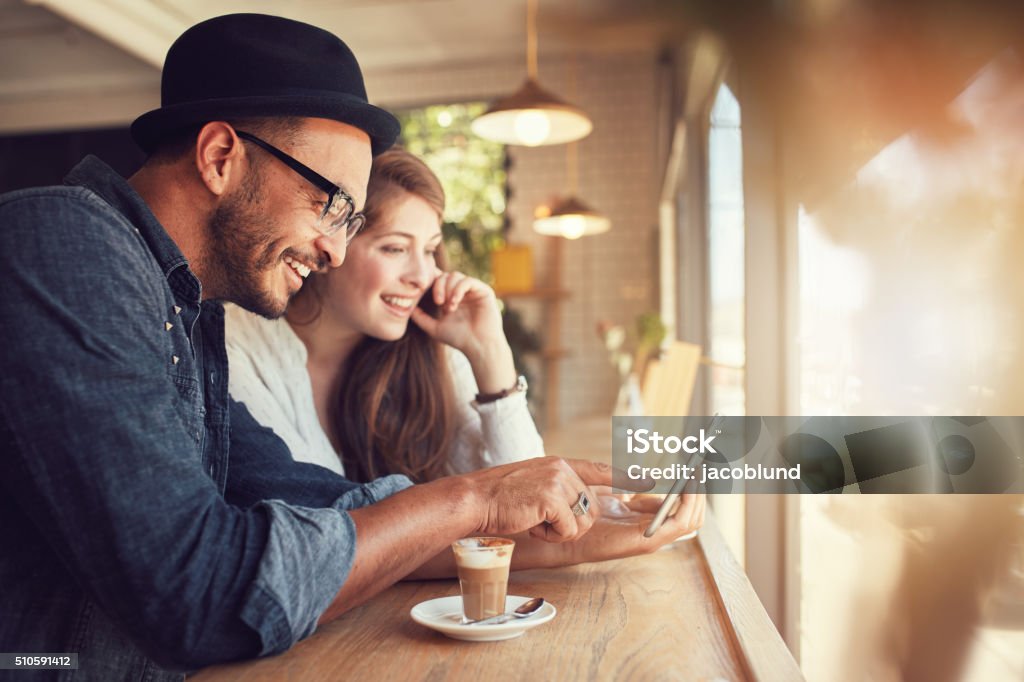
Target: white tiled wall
x=611 y=276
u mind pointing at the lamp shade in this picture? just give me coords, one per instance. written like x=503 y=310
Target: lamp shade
x=532 y=116
x=572 y=219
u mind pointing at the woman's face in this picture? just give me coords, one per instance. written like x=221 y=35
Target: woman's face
x=386 y=271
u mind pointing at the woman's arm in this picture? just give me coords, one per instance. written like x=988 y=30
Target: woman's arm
x=618 y=533
x=491 y=432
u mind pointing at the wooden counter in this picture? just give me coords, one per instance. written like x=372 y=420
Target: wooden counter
x=686 y=612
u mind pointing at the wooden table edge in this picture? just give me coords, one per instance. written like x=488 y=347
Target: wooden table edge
x=762 y=651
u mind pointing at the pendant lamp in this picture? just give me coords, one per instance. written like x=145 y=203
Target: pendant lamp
x=571 y=218
x=532 y=116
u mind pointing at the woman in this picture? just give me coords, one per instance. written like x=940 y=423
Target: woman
x=348 y=383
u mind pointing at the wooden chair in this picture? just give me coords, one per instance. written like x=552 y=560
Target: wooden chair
x=667 y=385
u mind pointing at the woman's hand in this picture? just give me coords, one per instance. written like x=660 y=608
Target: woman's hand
x=470 y=321
x=620 y=530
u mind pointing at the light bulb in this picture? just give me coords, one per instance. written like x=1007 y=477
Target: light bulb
x=572 y=226
x=532 y=127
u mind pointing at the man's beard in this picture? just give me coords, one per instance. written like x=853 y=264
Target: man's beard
x=240 y=251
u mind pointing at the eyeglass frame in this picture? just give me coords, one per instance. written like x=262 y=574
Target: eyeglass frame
x=332 y=191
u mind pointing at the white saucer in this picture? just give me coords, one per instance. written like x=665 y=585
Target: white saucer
x=444 y=614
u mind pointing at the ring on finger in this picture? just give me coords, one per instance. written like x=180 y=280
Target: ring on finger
x=582 y=505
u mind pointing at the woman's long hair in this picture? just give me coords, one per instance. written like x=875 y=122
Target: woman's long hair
x=394 y=412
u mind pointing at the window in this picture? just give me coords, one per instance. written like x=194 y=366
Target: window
x=726 y=345
x=910 y=304
x=726 y=257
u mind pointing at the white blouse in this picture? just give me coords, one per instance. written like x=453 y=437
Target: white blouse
x=267 y=371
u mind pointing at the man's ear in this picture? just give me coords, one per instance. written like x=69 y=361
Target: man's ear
x=219 y=156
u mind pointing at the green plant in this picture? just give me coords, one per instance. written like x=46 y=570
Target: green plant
x=472 y=172
x=629 y=350
x=650 y=333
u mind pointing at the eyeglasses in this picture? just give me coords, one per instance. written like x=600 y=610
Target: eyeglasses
x=340 y=209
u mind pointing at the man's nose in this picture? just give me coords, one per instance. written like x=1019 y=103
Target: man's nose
x=333 y=248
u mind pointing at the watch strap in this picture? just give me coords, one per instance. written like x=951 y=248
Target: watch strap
x=519 y=387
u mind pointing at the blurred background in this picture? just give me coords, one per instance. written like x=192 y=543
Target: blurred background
x=802 y=206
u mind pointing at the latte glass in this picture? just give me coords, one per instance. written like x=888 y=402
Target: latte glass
x=483 y=565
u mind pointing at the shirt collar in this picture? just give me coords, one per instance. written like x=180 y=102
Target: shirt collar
x=95 y=175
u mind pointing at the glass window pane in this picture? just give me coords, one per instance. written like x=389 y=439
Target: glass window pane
x=726 y=256
x=912 y=303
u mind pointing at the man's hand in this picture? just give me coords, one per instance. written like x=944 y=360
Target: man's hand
x=537 y=495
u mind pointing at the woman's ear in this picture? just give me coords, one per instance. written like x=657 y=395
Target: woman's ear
x=219 y=156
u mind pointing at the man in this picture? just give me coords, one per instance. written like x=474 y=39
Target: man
x=128 y=538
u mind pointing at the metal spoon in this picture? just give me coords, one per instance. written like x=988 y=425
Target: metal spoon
x=525 y=610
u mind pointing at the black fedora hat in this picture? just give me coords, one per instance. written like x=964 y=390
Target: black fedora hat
x=254 y=65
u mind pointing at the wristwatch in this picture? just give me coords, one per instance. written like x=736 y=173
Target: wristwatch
x=519 y=387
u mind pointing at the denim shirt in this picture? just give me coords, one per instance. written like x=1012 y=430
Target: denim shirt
x=126 y=536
